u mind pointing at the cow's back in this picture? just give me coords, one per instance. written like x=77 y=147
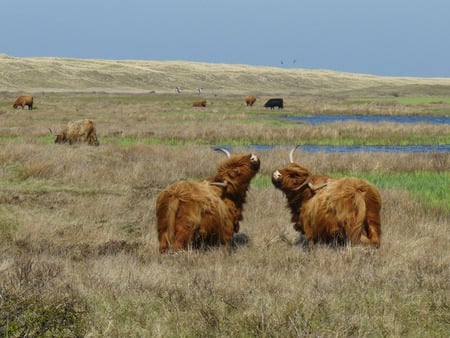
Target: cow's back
x=24 y=100
x=340 y=209
x=200 y=214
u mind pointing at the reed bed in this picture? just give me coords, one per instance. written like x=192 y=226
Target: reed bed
x=79 y=253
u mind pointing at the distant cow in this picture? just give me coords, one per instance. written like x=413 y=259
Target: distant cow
x=82 y=131
x=249 y=100
x=205 y=212
x=272 y=103
x=24 y=100
x=330 y=210
x=199 y=104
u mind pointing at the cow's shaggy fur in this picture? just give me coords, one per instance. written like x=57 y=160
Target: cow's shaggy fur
x=206 y=212
x=250 y=100
x=24 y=100
x=331 y=210
x=199 y=104
x=78 y=131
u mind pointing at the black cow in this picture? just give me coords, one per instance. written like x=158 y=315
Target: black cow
x=272 y=103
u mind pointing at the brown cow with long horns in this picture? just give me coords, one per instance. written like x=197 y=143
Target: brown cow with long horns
x=205 y=212
x=329 y=210
x=80 y=131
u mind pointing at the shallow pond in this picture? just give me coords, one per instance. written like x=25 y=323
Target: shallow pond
x=445 y=148
x=317 y=119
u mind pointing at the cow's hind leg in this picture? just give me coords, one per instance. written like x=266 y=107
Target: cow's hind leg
x=163 y=242
x=183 y=235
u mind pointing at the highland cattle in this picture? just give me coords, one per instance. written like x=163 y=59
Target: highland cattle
x=199 y=104
x=81 y=131
x=250 y=100
x=330 y=210
x=205 y=213
x=24 y=100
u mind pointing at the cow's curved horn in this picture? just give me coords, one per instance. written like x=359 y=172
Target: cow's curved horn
x=291 y=154
x=226 y=152
x=219 y=184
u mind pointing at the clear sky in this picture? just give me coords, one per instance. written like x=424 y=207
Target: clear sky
x=382 y=37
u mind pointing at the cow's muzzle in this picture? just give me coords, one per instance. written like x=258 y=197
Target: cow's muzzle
x=255 y=162
x=276 y=178
x=276 y=175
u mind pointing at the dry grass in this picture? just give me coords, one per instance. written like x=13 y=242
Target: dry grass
x=79 y=253
x=77 y=228
x=61 y=74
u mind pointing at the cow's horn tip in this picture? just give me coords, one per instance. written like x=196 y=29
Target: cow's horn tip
x=223 y=150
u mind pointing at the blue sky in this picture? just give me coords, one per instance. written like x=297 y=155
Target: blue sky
x=382 y=37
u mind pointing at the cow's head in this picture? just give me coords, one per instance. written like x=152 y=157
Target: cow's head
x=93 y=141
x=293 y=178
x=236 y=172
x=60 y=137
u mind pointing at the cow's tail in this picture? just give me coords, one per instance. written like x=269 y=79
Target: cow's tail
x=172 y=209
x=372 y=218
x=355 y=227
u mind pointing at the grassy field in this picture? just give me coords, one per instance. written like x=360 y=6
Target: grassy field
x=78 y=246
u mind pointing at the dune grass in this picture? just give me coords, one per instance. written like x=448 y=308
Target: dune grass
x=133 y=76
x=78 y=247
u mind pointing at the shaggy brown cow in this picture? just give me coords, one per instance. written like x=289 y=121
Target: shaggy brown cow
x=249 y=100
x=206 y=212
x=78 y=131
x=330 y=210
x=24 y=100
x=199 y=104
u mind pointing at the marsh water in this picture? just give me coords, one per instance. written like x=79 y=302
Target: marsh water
x=318 y=119
x=445 y=148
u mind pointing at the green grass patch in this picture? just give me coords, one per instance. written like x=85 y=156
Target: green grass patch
x=406 y=100
x=430 y=188
x=421 y=100
x=340 y=141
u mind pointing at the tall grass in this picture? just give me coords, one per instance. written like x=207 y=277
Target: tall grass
x=79 y=253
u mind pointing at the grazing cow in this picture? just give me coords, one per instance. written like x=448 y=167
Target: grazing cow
x=272 y=103
x=330 y=210
x=249 y=100
x=24 y=100
x=199 y=104
x=205 y=212
x=78 y=131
